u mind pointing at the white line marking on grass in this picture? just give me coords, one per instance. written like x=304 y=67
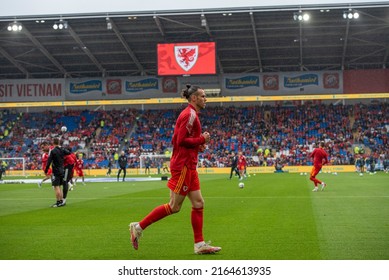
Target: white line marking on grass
x=210 y=197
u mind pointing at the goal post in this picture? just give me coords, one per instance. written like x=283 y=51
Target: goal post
x=157 y=163
x=14 y=166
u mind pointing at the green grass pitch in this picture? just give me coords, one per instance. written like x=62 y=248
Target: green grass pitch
x=274 y=217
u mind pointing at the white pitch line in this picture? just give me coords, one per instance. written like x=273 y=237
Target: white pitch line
x=213 y=197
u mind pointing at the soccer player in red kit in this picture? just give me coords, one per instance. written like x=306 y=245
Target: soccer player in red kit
x=242 y=163
x=45 y=147
x=184 y=181
x=69 y=163
x=78 y=168
x=320 y=157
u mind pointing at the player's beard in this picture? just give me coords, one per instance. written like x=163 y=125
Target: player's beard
x=199 y=106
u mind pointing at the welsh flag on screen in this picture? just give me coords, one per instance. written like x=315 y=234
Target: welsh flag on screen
x=186 y=58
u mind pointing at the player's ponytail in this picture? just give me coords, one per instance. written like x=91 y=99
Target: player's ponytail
x=189 y=90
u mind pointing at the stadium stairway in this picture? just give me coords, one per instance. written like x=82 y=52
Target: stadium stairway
x=352 y=121
x=130 y=132
x=71 y=122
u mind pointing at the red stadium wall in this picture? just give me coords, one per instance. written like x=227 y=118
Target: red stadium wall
x=365 y=81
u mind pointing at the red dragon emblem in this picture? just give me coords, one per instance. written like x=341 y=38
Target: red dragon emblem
x=186 y=56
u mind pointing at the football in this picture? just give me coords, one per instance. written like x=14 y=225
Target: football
x=64 y=129
x=241 y=185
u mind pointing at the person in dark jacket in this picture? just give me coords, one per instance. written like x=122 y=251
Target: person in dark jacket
x=234 y=165
x=109 y=167
x=122 y=161
x=56 y=161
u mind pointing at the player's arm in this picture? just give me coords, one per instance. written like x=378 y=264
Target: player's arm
x=66 y=151
x=325 y=158
x=49 y=161
x=183 y=138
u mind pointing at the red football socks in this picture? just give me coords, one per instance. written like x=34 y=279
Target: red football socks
x=164 y=210
x=197 y=224
x=157 y=214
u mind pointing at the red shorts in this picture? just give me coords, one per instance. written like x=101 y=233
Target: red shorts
x=315 y=170
x=49 y=172
x=184 y=181
x=79 y=172
x=241 y=167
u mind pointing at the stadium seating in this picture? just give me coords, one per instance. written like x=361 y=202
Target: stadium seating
x=288 y=132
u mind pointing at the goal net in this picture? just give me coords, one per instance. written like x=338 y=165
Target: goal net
x=13 y=166
x=159 y=164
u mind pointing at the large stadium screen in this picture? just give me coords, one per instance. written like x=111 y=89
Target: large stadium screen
x=186 y=58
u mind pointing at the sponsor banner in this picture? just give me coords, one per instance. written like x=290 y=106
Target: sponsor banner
x=32 y=90
x=331 y=80
x=140 y=85
x=301 y=80
x=234 y=84
x=113 y=86
x=169 y=85
x=262 y=86
x=271 y=82
x=85 y=86
x=242 y=82
x=320 y=82
x=202 y=170
x=85 y=89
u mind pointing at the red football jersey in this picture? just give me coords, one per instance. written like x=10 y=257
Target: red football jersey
x=187 y=139
x=319 y=157
x=79 y=164
x=242 y=161
x=45 y=158
x=69 y=159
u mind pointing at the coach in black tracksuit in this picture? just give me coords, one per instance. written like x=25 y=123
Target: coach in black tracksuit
x=234 y=165
x=56 y=159
x=122 y=165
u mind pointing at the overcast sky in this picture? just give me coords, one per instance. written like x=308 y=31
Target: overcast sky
x=53 y=7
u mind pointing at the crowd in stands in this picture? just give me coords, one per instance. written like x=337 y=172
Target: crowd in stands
x=111 y=130
x=263 y=133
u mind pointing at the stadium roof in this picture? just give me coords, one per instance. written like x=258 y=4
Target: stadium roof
x=262 y=39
